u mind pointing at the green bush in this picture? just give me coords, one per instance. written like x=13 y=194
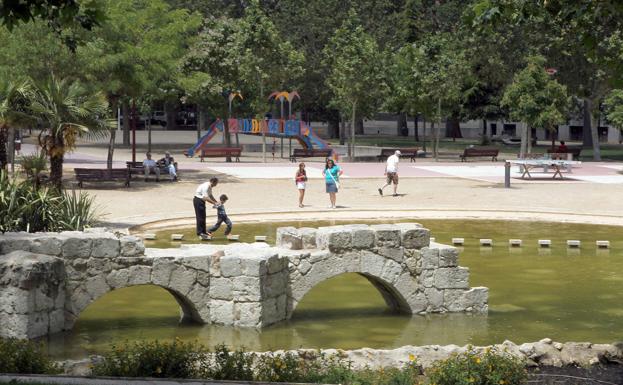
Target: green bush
x=191 y=360
x=490 y=367
x=153 y=359
x=33 y=164
x=27 y=207
x=24 y=357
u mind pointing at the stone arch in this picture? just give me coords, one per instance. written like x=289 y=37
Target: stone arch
x=178 y=280
x=397 y=287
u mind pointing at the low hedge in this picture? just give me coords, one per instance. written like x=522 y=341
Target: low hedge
x=24 y=357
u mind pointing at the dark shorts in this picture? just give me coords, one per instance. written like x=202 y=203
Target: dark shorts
x=331 y=188
x=392 y=177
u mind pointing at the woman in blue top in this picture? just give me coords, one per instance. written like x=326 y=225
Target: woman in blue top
x=332 y=174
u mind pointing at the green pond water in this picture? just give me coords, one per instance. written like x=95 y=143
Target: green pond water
x=565 y=294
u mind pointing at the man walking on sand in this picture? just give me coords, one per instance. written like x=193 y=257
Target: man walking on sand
x=391 y=172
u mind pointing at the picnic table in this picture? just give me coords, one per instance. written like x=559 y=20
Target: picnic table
x=556 y=164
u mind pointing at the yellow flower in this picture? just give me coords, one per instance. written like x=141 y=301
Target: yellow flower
x=471 y=379
x=411 y=357
x=502 y=382
x=478 y=360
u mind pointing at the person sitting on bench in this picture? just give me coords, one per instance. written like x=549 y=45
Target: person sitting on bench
x=169 y=163
x=563 y=147
x=149 y=166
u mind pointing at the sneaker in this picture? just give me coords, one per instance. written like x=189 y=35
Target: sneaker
x=381 y=192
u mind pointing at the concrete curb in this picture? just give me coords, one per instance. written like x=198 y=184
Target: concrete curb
x=76 y=380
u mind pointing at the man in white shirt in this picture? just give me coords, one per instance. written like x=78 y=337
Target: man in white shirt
x=203 y=195
x=391 y=172
x=149 y=166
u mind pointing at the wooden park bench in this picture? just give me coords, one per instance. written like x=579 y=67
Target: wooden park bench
x=102 y=175
x=136 y=168
x=472 y=152
x=410 y=153
x=218 y=152
x=557 y=154
x=306 y=153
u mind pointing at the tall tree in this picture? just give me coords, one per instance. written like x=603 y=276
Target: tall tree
x=13 y=114
x=357 y=78
x=537 y=99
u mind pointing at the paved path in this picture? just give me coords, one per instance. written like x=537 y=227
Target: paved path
x=434 y=189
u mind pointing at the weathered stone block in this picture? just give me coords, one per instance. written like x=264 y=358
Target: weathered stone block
x=387 y=235
x=304 y=267
x=139 y=275
x=49 y=245
x=246 y=289
x=434 y=298
x=448 y=257
x=452 y=278
x=117 y=279
x=395 y=253
x=417 y=302
x=274 y=285
x=415 y=238
x=289 y=238
x=308 y=236
x=161 y=271
x=391 y=271
x=96 y=286
x=253 y=266
x=363 y=237
x=105 y=247
x=427 y=278
x=276 y=263
x=221 y=288
x=182 y=279
x=335 y=238
x=131 y=246
x=222 y=312
x=230 y=266
x=372 y=263
x=430 y=258
x=76 y=245
x=477 y=298
x=10 y=242
x=197 y=263
x=248 y=314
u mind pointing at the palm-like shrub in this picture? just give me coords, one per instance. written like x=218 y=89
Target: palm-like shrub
x=24 y=207
x=13 y=101
x=66 y=110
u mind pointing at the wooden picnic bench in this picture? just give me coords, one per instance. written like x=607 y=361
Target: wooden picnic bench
x=137 y=168
x=217 y=152
x=557 y=154
x=472 y=152
x=102 y=175
x=307 y=153
x=410 y=153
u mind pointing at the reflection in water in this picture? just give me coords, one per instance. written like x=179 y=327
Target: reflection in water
x=567 y=295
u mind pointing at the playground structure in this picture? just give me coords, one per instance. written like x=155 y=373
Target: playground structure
x=274 y=128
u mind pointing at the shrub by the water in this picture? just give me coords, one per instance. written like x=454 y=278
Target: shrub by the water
x=25 y=206
x=23 y=356
x=153 y=359
x=490 y=367
x=191 y=360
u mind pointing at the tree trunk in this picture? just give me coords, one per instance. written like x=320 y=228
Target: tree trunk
x=484 y=128
x=333 y=126
x=201 y=124
x=415 y=128
x=125 y=110
x=359 y=126
x=111 y=148
x=148 y=124
x=227 y=138
x=401 y=123
x=593 y=110
x=56 y=162
x=424 y=133
x=453 y=124
x=4 y=160
x=170 y=113
x=529 y=140
x=353 y=132
x=587 y=138
x=524 y=138
x=342 y=132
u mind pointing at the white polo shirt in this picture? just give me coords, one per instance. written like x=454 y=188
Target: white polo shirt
x=204 y=190
x=392 y=163
x=149 y=163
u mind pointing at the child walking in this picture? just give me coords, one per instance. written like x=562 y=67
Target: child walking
x=221 y=216
x=300 y=178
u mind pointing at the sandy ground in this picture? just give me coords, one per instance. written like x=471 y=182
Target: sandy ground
x=429 y=196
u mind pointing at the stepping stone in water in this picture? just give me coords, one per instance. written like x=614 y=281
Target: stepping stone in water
x=233 y=237
x=149 y=236
x=177 y=237
x=260 y=238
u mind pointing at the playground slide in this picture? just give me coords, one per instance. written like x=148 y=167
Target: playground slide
x=304 y=134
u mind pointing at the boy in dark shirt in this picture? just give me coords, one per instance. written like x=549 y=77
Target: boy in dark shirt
x=221 y=216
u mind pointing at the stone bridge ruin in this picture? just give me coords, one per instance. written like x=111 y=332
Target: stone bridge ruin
x=48 y=279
